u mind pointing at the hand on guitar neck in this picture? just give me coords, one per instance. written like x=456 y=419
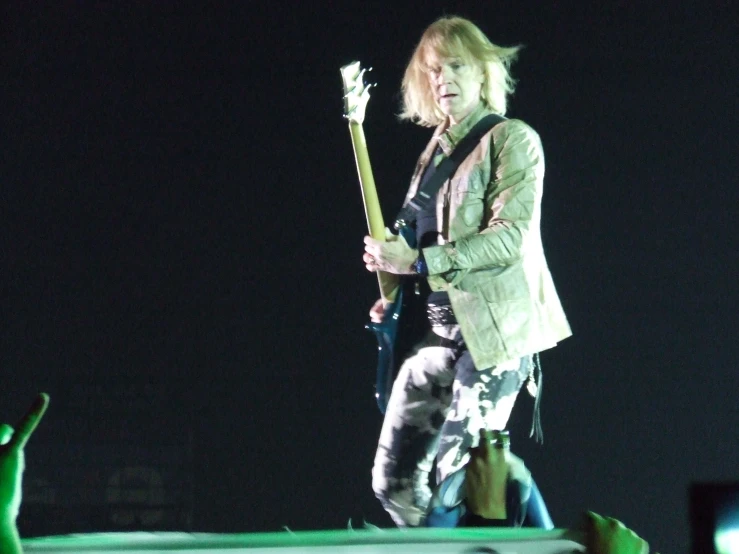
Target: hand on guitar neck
x=393 y=255
x=389 y=259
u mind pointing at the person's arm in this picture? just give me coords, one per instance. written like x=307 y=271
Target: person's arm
x=10 y=539
x=11 y=467
x=511 y=201
x=12 y=464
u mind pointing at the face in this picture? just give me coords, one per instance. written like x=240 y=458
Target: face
x=456 y=85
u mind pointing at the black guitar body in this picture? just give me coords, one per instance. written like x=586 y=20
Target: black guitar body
x=403 y=326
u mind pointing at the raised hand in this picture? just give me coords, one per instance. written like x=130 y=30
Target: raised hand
x=12 y=461
x=487 y=477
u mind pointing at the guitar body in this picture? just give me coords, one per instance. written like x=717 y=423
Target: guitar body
x=403 y=325
x=388 y=359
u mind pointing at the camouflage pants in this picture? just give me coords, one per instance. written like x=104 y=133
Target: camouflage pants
x=437 y=407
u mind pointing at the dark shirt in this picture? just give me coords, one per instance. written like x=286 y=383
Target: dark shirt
x=427 y=234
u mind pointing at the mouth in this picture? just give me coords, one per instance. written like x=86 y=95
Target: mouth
x=447 y=96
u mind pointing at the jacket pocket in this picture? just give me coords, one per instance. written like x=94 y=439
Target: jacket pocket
x=514 y=322
x=504 y=284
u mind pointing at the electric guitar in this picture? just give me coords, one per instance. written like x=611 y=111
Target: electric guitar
x=397 y=332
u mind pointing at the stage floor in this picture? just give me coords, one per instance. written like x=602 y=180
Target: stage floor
x=426 y=541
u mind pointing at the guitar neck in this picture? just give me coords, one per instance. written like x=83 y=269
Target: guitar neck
x=372 y=210
x=375 y=223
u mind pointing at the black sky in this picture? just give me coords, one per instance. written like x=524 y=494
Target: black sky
x=180 y=208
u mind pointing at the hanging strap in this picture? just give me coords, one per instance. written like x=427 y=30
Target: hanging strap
x=427 y=193
x=535 y=388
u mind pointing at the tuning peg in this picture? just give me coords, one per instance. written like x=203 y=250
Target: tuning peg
x=360 y=78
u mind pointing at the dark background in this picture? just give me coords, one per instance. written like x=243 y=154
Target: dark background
x=180 y=210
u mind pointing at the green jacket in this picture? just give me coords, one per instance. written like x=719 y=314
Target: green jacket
x=492 y=260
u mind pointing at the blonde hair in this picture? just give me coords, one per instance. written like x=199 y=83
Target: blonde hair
x=452 y=36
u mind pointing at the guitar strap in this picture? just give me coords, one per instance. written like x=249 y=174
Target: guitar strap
x=427 y=192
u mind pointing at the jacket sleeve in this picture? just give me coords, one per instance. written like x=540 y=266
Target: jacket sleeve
x=511 y=200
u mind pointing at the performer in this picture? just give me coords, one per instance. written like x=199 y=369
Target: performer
x=492 y=305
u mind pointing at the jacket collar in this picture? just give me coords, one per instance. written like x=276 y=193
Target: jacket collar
x=449 y=137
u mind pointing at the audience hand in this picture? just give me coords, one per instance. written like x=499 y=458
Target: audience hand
x=486 y=479
x=605 y=535
x=12 y=464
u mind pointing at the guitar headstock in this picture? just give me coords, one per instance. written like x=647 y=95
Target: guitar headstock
x=356 y=93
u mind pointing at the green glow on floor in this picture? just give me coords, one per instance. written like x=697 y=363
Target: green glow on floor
x=391 y=540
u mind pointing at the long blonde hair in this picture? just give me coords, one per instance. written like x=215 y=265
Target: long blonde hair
x=452 y=36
